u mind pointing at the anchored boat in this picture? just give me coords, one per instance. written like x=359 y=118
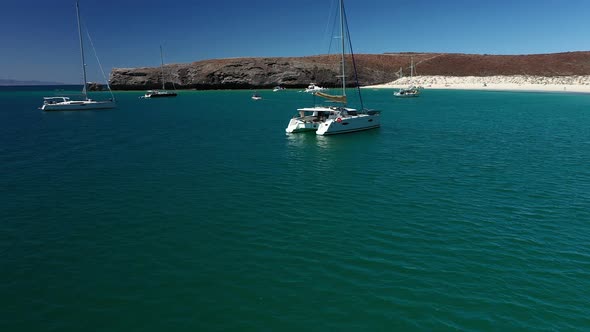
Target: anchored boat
x=67 y=104
x=336 y=119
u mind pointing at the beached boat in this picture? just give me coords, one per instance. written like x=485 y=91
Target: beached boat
x=65 y=103
x=160 y=93
x=336 y=119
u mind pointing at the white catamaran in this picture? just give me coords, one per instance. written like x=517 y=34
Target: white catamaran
x=67 y=104
x=163 y=92
x=329 y=120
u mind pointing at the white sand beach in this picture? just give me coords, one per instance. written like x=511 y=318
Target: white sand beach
x=580 y=84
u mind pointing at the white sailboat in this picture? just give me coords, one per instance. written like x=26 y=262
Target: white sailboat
x=330 y=120
x=412 y=90
x=67 y=104
x=163 y=92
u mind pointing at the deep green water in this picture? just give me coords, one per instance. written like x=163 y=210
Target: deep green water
x=464 y=211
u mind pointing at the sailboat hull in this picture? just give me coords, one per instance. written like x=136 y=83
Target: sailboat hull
x=161 y=95
x=405 y=95
x=81 y=105
x=164 y=96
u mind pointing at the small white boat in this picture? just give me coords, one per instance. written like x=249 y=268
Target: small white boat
x=65 y=103
x=278 y=88
x=256 y=97
x=330 y=120
x=408 y=92
x=312 y=87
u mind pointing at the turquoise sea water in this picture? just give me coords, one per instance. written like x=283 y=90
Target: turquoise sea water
x=464 y=211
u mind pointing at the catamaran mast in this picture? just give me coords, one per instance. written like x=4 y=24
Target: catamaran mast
x=81 y=50
x=162 y=67
x=343 y=48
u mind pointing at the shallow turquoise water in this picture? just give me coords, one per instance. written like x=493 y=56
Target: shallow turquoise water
x=464 y=211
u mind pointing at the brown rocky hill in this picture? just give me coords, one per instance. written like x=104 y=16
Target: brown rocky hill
x=298 y=72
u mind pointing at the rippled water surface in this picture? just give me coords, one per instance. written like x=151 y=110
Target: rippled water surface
x=464 y=211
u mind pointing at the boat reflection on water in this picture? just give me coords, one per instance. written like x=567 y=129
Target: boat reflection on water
x=332 y=143
x=308 y=140
x=300 y=141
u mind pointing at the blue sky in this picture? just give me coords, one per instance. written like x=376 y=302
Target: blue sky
x=39 y=38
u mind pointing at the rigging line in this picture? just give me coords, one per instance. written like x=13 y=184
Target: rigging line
x=333 y=33
x=332 y=13
x=172 y=81
x=356 y=78
x=342 y=44
x=84 y=90
x=99 y=64
x=162 y=68
x=172 y=76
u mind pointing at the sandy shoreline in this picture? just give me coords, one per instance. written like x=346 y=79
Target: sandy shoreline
x=579 y=84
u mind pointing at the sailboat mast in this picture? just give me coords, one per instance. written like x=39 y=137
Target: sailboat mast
x=84 y=92
x=343 y=47
x=162 y=68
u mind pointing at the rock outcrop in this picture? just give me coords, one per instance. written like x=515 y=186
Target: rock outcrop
x=93 y=86
x=298 y=72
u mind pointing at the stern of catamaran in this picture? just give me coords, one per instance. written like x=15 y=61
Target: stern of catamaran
x=297 y=125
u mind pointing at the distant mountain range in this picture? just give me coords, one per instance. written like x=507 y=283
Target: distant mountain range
x=298 y=72
x=5 y=82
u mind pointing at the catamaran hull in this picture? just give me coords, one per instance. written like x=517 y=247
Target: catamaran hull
x=79 y=106
x=349 y=125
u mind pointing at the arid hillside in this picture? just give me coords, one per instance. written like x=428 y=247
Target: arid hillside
x=297 y=72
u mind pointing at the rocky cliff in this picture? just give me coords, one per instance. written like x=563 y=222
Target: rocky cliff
x=298 y=72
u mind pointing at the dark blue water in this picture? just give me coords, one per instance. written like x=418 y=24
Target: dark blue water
x=464 y=211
